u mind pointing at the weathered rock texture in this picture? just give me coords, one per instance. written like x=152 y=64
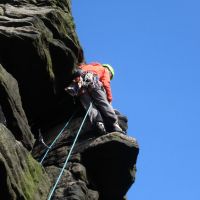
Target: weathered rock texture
x=39 y=48
x=15 y=117
x=21 y=176
x=38 y=51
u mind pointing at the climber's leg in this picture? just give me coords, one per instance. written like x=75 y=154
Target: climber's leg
x=106 y=110
x=94 y=115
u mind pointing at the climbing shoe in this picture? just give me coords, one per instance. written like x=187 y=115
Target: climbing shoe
x=116 y=128
x=100 y=128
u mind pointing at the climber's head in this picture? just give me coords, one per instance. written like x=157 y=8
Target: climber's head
x=111 y=70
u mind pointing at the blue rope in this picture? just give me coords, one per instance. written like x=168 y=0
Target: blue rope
x=60 y=175
x=57 y=137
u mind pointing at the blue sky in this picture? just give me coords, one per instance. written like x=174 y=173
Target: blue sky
x=155 y=49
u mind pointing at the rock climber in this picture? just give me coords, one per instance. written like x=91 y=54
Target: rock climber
x=92 y=83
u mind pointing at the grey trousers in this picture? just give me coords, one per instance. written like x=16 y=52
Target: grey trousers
x=100 y=100
x=94 y=114
x=101 y=107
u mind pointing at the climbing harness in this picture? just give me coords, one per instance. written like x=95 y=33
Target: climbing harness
x=90 y=79
x=87 y=80
x=65 y=164
x=57 y=137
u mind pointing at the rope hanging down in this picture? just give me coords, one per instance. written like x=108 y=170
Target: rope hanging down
x=57 y=137
x=65 y=164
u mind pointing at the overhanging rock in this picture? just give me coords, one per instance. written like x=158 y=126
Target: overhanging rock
x=110 y=161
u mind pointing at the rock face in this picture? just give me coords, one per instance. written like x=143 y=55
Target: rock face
x=14 y=117
x=39 y=50
x=100 y=167
x=21 y=176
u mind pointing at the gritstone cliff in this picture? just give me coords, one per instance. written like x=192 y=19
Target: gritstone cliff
x=39 y=49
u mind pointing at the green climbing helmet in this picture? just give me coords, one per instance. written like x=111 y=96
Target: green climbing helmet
x=110 y=68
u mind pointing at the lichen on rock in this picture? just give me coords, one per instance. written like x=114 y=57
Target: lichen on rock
x=22 y=176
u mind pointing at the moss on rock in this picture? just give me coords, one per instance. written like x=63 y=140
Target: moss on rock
x=34 y=180
x=25 y=178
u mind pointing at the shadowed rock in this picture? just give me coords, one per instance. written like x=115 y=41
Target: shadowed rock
x=40 y=49
x=14 y=117
x=2 y=117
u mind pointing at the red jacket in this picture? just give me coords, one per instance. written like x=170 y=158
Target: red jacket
x=103 y=74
